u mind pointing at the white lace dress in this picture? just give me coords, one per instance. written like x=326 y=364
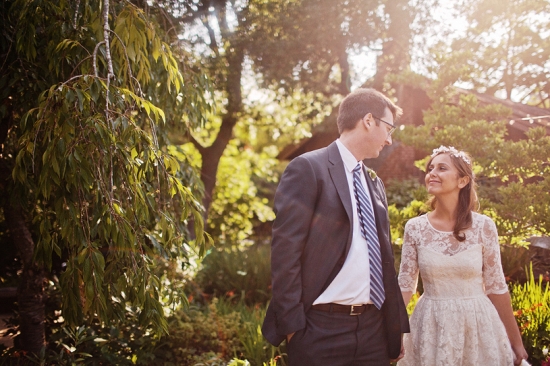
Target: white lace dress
x=454 y=322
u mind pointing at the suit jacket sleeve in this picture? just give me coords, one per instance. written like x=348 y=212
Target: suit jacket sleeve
x=294 y=205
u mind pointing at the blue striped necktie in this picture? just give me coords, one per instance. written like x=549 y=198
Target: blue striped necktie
x=368 y=231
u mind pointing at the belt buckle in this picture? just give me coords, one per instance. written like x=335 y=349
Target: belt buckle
x=352 y=311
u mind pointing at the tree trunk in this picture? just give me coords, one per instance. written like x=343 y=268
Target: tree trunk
x=30 y=293
x=212 y=154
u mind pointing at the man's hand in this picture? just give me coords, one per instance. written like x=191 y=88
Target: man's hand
x=401 y=354
x=289 y=337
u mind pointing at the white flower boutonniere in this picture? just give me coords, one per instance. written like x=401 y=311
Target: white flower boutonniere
x=372 y=174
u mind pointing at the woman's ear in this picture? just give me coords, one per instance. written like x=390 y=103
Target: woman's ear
x=463 y=182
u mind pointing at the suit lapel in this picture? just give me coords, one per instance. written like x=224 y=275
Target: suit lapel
x=381 y=217
x=338 y=175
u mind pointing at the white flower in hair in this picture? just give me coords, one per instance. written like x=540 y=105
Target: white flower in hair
x=452 y=151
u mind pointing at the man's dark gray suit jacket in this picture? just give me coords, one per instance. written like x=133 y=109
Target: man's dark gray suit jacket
x=311 y=238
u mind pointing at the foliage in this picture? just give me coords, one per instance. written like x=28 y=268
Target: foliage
x=123 y=343
x=513 y=175
x=198 y=336
x=210 y=335
x=243 y=192
x=412 y=303
x=8 y=267
x=514 y=261
x=115 y=342
x=237 y=273
x=87 y=151
x=402 y=192
x=504 y=49
x=216 y=335
x=531 y=304
x=398 y=218
x=278 y=70
x=256 y=349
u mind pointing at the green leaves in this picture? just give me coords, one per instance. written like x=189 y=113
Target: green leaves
x=512 y=175
x=505 y=48
x=103 y=192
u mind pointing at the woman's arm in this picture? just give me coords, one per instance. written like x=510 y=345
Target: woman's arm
x=503 y=304
x=406 y=296
x=408 y=269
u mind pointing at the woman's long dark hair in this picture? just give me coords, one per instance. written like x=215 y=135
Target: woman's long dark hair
x=467 y=197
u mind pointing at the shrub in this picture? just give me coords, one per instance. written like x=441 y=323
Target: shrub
x=202 y=336
x=217 y=334
x=237 y=273
x=531 y=304
x=119 y=343
x=514 y=259
x=401 y=192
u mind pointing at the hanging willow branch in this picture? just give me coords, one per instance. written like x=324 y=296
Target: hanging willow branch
x=76 y=14
x=110 y=74
x=94 y=58
x=106 y=30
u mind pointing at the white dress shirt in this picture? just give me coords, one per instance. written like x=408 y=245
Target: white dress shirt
x=351 y=286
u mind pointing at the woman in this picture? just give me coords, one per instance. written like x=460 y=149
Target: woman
x=465 y=315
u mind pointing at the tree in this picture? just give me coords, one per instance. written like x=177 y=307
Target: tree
x=288 y=48
x=502 y=52
x=84 y=164
x=513 y=176
x=504 y=49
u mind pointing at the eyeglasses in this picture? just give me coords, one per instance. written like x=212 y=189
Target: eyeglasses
x=393 y=127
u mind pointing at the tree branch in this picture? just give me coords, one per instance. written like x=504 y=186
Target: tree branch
x=197 y=144
x=110 y=73
x=213 y=43
x=129 y=66
x=106 y=29
x=76 y=13
x=94 y=58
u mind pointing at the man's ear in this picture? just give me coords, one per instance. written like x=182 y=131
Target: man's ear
x=366 y=120
x=463 y=182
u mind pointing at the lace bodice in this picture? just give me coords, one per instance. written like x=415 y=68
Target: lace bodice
x=450 y=268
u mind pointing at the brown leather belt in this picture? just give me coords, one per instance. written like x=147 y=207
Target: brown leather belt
x=337 y=308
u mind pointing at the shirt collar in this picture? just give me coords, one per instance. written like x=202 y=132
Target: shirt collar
x=347 y=157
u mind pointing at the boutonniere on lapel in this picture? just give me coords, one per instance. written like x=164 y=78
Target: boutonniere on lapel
x=372 y=174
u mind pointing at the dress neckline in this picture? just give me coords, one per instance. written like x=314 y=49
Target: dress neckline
x=433 y=228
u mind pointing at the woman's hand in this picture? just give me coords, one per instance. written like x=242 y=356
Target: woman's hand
x=520 y=353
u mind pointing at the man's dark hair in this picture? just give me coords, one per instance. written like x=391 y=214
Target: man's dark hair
x=360 y=102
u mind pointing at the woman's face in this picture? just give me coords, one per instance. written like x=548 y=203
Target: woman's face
x=442 y=176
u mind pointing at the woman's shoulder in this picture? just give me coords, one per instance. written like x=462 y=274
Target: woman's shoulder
x=481 y=218
x=416 y=222
x=482 y=221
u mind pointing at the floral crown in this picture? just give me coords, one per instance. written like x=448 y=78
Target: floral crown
x=452 y=151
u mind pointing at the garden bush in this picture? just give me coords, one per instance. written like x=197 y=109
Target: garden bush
x=223 y=331
x=402 y=192
x=212 y=335
x=237 y=273
x=531 y=304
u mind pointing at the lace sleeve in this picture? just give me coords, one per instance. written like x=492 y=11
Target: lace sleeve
x=408 y=271
x=493 y=276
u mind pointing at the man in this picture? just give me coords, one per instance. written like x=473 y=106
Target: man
x=336 y=300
